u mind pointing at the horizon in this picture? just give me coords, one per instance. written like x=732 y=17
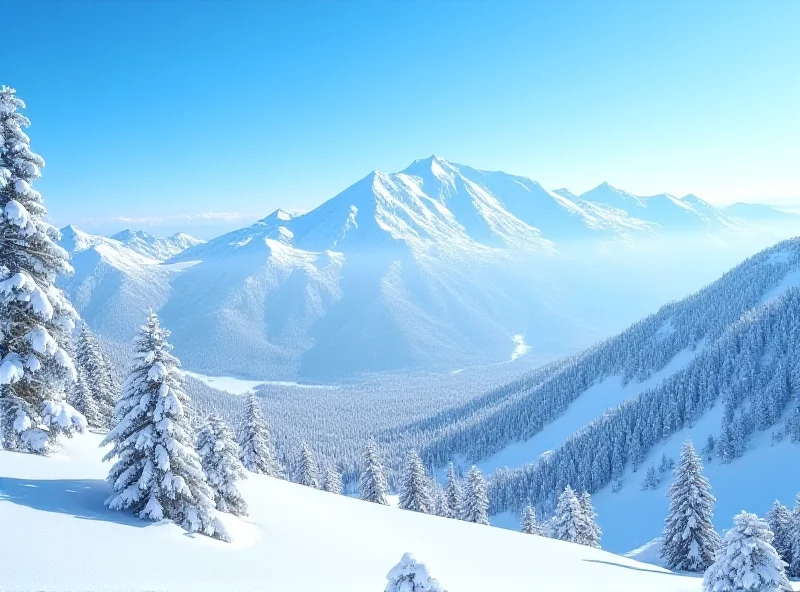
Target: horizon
x=158 y=117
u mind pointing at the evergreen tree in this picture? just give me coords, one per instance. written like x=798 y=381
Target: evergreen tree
x=98 y=375
x=709 y=448
x=158 y=473
x=440 y=507
x=529 y=525
x=452 y=494
x=307 y=472
x=35 y=317
x=414 y=492
x=475 y=504
x=794 y=538
x=689 y=540
x=589 y=532
x=255 y=447
x=411 y=575
x=333 y=480
x=372 y=482
x=219 y=454
x=567 y=520
x=747 y=561
x=80 y=396
x=780 y=523
x=650 y=480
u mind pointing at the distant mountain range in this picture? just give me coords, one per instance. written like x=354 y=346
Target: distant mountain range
x=436 y=267
x=156 y=247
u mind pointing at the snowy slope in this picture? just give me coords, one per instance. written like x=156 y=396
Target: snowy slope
x=295 y=540
x=112 y=286
x=720 y=361
x=437 y=267
x=160 y=248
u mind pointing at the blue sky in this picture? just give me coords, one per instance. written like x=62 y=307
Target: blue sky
x=163 y=115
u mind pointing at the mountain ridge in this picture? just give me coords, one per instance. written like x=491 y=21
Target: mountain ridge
x=436 y=267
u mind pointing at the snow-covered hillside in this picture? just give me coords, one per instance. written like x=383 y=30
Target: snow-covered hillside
x=437 y=267
x=721 y=363
x=156 y=247
x=113 y=285
x=296 y=539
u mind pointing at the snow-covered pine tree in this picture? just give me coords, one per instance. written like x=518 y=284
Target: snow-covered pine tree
x=780 y=523
x=475 y=502
x=333 y=480
x=452 y=493
x=80 y=396
x=414 y=492
x=567 y=519
x=35 y=317
x=794 y=537
x=747 y=561
x=589 y=532
x=158 y=473
x=307 y=469
x=529 y=524
x=372 y=481
x=411 y=575
x=650 y=479
x=440 y=507
x=689 y=540
x=255 y=446
x=98 y=375
x=709 y=448
x=219 y=454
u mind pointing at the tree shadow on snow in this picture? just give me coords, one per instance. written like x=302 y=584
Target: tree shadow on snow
x=80 y=498
x=656 y=571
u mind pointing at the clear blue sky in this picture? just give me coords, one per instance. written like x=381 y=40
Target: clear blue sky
x=169 y=109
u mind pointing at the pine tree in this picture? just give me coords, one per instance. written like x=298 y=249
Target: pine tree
x=567 y=520
x=589 y=532
x=794 y=539
x=411 y=575
x=747 y=561
x=452 y=494
x=689 y=540
x=440 y=507
x=158 y=473
x=98 y=375
x=529 y=525
x=307 y=472
x=414 y=492
x=80 y=396
x=372 y=482
x=475 y=504
x=650 y=479
x=255 y=447
x=219 y=454
x=35 y=317
x=780 y=523
x=333 y=480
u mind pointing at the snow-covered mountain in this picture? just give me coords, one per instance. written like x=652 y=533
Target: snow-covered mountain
x=667 y=211
x=437 y=267
x=296 y=539
x=720 y=364
x=113 y=284
x=156 y=247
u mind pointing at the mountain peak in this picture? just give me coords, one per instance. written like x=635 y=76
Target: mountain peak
x=278 y=216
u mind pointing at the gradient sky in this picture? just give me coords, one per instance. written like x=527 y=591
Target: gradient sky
x=166 y=115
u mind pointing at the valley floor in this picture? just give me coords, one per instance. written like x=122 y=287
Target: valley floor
x=57 y=535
